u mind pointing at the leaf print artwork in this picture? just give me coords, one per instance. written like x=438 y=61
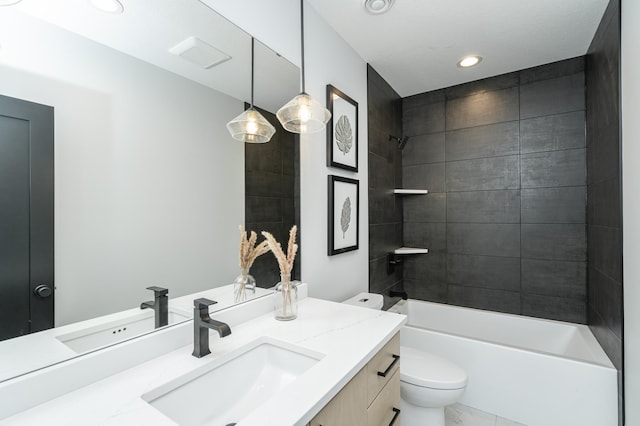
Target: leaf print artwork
x=345 y=218
x=344 y=134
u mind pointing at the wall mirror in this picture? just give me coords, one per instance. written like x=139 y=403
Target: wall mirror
x=149 y=186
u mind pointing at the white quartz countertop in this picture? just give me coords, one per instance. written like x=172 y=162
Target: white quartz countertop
x=347 y=337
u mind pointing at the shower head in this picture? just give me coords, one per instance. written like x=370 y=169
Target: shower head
x=402 y=140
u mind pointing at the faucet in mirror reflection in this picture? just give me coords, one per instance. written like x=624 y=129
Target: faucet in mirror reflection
x=245 y=283
x=160 y=305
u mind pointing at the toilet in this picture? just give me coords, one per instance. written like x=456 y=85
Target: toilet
x=428 y=382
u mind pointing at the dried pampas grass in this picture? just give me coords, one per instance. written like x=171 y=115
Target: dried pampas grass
x=284 y=261
x=249 y=252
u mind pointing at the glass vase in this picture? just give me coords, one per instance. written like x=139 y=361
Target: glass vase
x=286 y=299
x=244 y=286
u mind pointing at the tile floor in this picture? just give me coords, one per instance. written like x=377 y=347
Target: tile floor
x=462 y=415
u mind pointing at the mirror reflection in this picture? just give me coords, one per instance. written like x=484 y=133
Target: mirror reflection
x=149 y=187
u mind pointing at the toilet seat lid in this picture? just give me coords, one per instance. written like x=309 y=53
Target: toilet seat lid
x=427 y=370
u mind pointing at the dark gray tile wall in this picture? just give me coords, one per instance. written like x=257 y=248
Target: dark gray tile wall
x=385 y=174
x=504 y=160
x=604 y=229
x=272 y=196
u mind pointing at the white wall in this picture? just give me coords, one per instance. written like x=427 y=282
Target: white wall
x=329 y=60
x=631 y=205
x=149 y=186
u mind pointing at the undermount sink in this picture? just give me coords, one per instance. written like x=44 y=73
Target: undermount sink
x=115 y=331
x=222 y=393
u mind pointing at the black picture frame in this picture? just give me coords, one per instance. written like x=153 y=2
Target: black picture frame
x=342 y=213
x=342 y=130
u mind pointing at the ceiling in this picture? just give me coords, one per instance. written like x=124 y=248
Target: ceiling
x=416 y=45
x=149 y=28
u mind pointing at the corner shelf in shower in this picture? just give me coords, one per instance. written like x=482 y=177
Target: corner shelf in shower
x=411 y=250
x=410 y=191
x=394 y=258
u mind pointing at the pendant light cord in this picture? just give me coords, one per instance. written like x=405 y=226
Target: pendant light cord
x=252 y=55
x=302 y=42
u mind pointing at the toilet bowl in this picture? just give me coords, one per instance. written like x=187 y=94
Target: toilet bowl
x=428 y=382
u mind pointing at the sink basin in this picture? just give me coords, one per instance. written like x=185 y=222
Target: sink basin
x=115 y=331
x=222 y=393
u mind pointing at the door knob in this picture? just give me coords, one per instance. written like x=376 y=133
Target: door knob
x=42 y=291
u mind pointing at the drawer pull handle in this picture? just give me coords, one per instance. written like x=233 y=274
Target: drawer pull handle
x=395 y=416
x=396 y=358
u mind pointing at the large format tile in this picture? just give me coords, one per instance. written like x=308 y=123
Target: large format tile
x=423 y=149
x=429 y=267
x=606 y=252
x=554 y=168
x=484 y=239
x=424 y=208
x=553 y=96
x=483 y=108
x=501 y=273
x=379 y=281
x=432 y=291
x=484 y=207
x=419 y=118
x=607 y=299
x=492 y=140
x=483 y=298
x=424 y=176
x=266 y=157
x=554 y=205
x=381 y=172
x=604 y=203
x=557 y=308
x=553 y=70
x=555 y=278
x=264 y=184
x=383 y=206
x=263 y=209
x=383 y=239
x=426 y=235
x=553 y=132
x=483 y=174
x=554 y=242
x=490 y=84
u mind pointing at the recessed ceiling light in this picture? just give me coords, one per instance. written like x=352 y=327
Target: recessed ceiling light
x=8 y=2
x=469 y=61
x=377 y=6
x=109 y=6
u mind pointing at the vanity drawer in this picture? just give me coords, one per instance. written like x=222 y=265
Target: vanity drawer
x=348 y=408
x=386 y=362
x=386 y=407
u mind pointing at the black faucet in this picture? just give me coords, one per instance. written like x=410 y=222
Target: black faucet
x=202 y=322
x=160 y=305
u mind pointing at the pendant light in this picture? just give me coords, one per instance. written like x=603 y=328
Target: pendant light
x=303 y=114
x=251 y=126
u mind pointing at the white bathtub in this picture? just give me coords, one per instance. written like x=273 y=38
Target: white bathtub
x=534 y=371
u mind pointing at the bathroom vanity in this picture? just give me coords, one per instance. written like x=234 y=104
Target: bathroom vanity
x=308 y=369
x=372 y=397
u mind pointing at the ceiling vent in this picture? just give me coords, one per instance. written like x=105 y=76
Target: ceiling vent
x=199 y=53
x=377 y=7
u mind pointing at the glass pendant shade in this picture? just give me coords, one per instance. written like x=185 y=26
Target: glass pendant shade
x=303 y=114
x=251 y=127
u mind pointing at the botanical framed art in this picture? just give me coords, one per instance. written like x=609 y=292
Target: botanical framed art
x=342 y=130
x=344 y=226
